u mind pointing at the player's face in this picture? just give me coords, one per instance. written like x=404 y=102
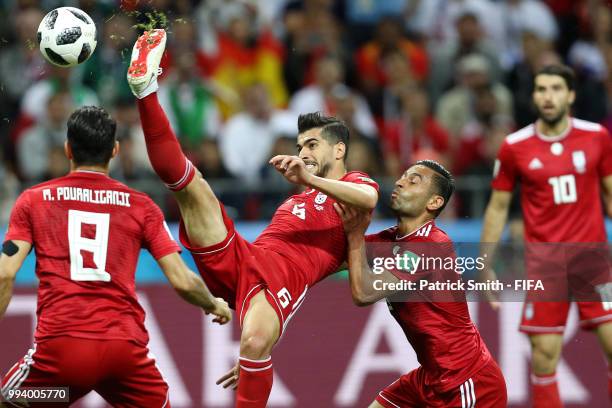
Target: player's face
x=552 y=98
x=413 y=191
x=316 y=151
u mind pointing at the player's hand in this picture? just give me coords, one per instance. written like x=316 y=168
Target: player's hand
x=230 y=379
x=292 y=168
x=491 y=296
x=354 y=220
x=221 y=311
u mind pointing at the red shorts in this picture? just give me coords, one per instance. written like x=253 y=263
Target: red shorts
x=237 y=270
x=550 y=317
x=122 y=372
x=486 y=389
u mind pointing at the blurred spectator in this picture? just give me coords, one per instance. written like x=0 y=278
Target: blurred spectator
x=318 y=97
x=105 y=71
x=34 y=102
x=189 y=103
x=362 y=157
x=415 y=131
x=520 y=16
x=389 y=38
x=9 y=190
x=209 y=161
x=537 y=53
x=21 y=63
x=36 y=148
x=247 y=138
x=459 y=106
x=470 y=40
x=245 y=56
x=386 y=104
x=586 y=56
x=133 y=160
x=435 y=19
x=312 y=33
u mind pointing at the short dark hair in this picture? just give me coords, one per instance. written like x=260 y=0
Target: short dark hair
x=443 y=181
x=91 y=136
x=332 y=129
x=561 y=70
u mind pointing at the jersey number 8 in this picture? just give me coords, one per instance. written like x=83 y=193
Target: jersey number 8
x=98 y=246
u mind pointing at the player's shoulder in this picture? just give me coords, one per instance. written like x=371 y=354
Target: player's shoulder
x=386 y=235
x=520 y=135
x=437 y=234
x=586 y=128
x=359 y=177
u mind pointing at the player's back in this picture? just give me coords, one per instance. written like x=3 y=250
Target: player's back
x=446 y=341
x=87 y=230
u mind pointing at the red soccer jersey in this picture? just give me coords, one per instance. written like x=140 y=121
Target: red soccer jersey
x=446 y=342
x=87 y=230
x=560 y=180
x=308 y=231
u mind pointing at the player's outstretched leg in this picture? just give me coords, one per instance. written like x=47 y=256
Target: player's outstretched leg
x=260 y=331
x=199 y=207
x=545 y=353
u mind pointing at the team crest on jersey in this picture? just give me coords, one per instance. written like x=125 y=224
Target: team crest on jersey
x=320 y=198
x=579 y=160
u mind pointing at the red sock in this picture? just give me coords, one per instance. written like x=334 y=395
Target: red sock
x=255 y=383
x=544 y=391
x=163 y=148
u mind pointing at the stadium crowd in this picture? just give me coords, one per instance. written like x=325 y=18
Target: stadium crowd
x=413 y=79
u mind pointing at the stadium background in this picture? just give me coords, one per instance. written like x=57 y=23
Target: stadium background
x=443 y=79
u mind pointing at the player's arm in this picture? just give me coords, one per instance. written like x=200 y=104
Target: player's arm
x=495 y=218
x=494 y=221
x=14 y=252
x=191 y=287
x=357 y=195
x=366 y=286
x=606 y=183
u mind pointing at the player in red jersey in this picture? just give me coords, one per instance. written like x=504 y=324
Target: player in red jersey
x=265 y=281
x=456 y=369
x=87 y=230
x=561 y=163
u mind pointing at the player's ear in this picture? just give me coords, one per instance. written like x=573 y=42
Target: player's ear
x=340 y=150
x=572 y=97
x=435 y=202
x=115 y=150
x=67 y=150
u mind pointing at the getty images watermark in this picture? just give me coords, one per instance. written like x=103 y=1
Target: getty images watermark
x=538 y=272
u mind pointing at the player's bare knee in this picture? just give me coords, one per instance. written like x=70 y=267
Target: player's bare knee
x=545 y=353
x=256 y=344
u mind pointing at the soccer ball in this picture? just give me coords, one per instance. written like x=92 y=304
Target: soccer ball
x=67 y=36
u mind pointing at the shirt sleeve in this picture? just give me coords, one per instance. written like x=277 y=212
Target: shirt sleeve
x=20 y=222
x=358 y=177
x=504 y=170
x=157 y=237
x=605 y=163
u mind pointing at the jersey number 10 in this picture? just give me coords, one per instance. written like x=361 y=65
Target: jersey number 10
x=564 y=189
x=98 y=245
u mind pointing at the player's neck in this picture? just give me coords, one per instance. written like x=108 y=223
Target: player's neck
x=552 y=130
x=336 y=174
x=95 y=169
x=407 y=225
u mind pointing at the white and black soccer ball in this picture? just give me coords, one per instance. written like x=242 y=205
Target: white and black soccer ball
x=67 y=36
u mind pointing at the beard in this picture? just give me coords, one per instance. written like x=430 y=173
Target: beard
x=323 y=170
x=552 y=121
